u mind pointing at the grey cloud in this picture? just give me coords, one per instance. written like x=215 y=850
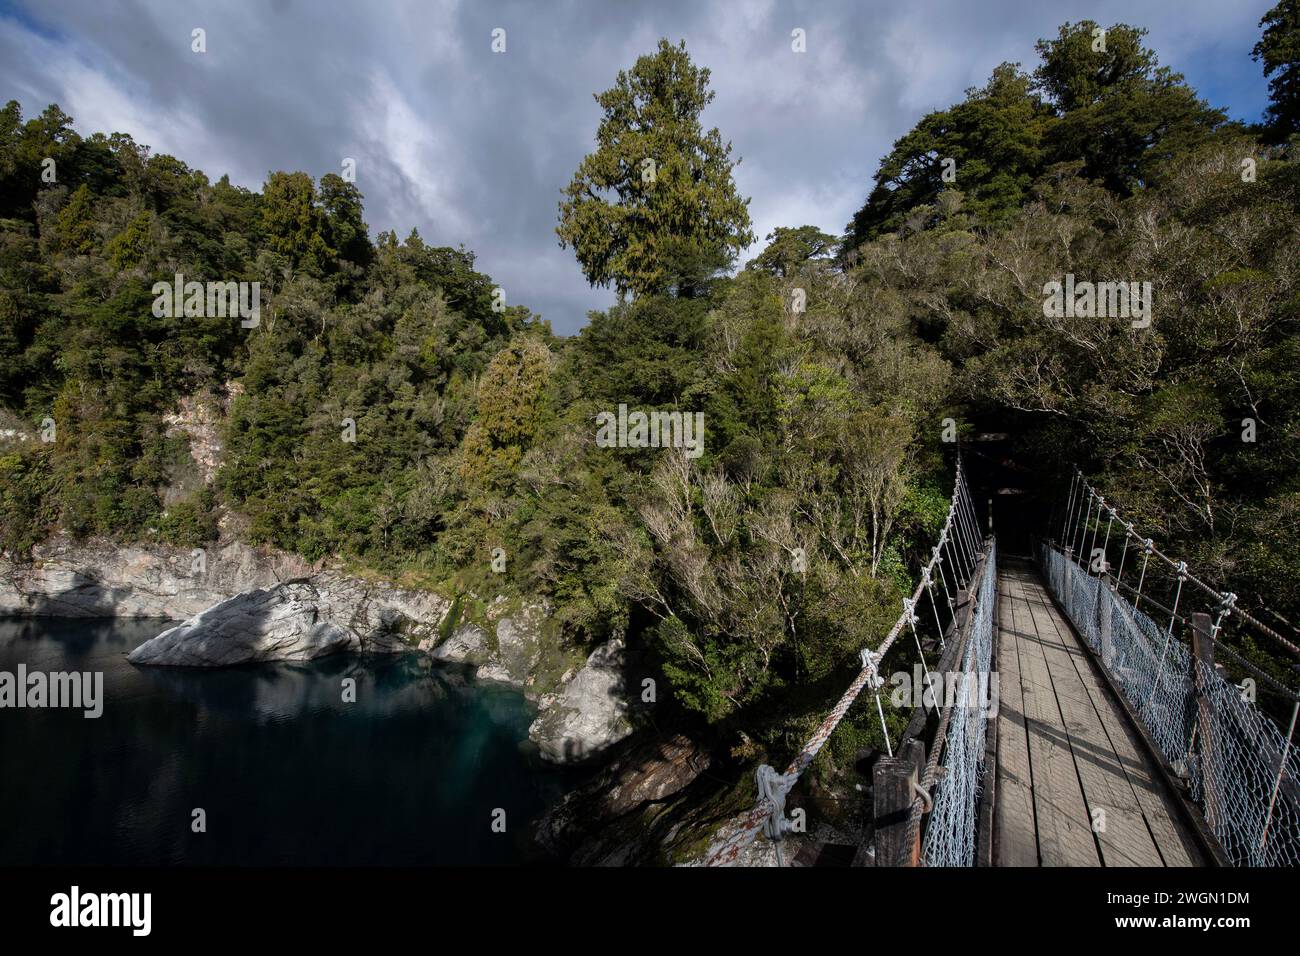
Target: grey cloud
x=472 y=147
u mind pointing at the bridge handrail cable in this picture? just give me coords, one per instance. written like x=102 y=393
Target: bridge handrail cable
x=1224 y=599
x=1239 y=766
x=960 y=534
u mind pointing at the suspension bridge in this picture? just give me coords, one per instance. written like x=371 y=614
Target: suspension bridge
x=1095 y=703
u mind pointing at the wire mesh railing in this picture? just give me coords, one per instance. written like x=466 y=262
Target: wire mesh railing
x=951 y=833
x=1240 y=768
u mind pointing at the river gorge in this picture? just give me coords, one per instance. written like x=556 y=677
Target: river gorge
x=285 y=771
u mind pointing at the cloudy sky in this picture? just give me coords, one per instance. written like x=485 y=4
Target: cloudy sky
x=473 y=147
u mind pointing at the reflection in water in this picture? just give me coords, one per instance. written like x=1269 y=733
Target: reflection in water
x=286 y=771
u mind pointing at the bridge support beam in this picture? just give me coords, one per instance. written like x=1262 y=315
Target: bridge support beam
x=1106 y=614
x=895 y=782
x=1203 y=667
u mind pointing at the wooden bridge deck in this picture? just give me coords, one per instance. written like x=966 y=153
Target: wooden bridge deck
x=1066 y=753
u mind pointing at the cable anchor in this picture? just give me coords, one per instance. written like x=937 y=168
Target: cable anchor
x=774 y=787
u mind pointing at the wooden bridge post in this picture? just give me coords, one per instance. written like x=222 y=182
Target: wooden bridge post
x=894 y=781
x=1202 y=664
x=1107 y=613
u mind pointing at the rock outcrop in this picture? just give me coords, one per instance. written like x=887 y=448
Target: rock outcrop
x=589 y=713
x=630 y=811
x=581 y=706
x=103 y=579
x=271 y=624
x=244 y=605
x=467 y=645
x=297 y=621
x=200 y=417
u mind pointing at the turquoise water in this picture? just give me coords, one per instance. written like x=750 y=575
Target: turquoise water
x=288 y=773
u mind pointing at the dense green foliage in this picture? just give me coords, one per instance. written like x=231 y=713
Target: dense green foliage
x=654 y=206
x=1098 y=96
x=391 y=412
x=1278 y=51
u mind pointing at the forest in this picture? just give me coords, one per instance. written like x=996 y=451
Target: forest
x=824 y=367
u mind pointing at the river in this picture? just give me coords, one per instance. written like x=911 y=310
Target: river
x=415 y=771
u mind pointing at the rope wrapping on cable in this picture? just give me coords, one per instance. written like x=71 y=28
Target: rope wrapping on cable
x=773 y=787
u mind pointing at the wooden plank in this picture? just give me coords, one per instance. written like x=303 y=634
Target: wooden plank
x=1060 y=811
x=1057 y=713
x=1015 y=840
x=1113 y=809
x=1188 y=824
x=1176 y=845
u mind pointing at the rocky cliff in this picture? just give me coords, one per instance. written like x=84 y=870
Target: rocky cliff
x=651 y=803
x=296 y=621
x=99 y=578
x=246 y=605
